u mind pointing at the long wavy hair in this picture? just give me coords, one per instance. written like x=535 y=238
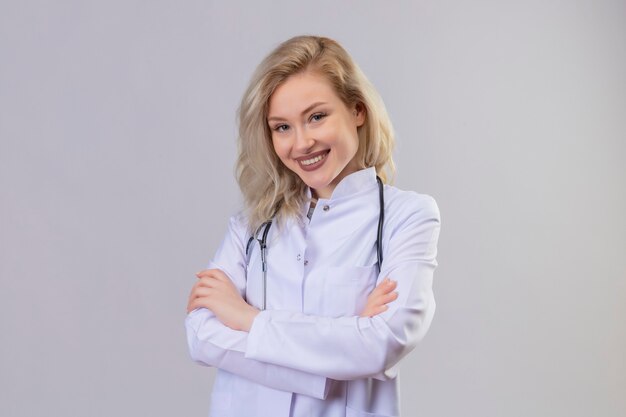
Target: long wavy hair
x=270 y=189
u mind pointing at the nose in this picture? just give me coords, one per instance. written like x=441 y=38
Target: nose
x=304 y=141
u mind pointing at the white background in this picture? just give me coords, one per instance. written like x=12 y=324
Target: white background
x=117 y=147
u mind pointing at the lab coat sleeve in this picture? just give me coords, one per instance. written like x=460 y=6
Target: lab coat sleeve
x=213 y=344
x=347 y=348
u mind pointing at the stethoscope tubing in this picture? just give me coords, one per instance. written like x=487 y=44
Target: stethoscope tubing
x=381 y=220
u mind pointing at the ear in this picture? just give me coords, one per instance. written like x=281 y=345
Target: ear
x=359 y=114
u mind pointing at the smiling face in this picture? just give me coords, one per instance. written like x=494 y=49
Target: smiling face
x=313 y=132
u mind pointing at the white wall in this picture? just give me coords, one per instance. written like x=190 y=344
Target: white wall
x=117 y=126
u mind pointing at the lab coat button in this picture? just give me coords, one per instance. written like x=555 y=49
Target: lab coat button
x=306 y=262
x=326 y=207
x=298 y=257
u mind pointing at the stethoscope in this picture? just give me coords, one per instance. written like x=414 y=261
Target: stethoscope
x=265 y=227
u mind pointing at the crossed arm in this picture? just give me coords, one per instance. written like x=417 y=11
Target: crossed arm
x=216 y=292
x=218 y=335
x=272 y=346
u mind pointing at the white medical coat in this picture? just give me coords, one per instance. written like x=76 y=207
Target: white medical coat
x=309 y=353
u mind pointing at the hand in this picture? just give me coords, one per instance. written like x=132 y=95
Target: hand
x=379 y=298
x=216 y=292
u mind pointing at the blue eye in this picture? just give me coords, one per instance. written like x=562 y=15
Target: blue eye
x=317 y=117
x=281 y=128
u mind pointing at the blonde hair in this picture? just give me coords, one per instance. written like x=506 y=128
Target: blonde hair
x=271 y=190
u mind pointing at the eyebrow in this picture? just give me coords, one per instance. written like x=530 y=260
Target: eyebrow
x=308 y=109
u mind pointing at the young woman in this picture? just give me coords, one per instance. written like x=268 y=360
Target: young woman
x=323 y=282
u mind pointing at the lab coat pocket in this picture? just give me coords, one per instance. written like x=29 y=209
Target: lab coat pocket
x=346 y=289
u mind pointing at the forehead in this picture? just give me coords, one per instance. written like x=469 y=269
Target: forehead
x=298 y=92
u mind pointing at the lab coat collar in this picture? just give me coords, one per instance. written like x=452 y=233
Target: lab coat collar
x=358 y=181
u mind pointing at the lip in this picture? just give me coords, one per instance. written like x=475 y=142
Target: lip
x=314 y=166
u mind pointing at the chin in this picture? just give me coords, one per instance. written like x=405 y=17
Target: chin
x=315 y=185
x=319 y=184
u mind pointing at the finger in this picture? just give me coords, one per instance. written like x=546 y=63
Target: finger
x=381 y=309
x=191 y=306
x=202 y=292
x=196 y=285
x=387 y=298
x=385 y=286
x=390 y=286
x=207 y=281
x=220 y=275
x=213 y=277
x=374 y=310
x=198 y=293
x=206 y=273
x=198 y=302
x=220 y=281
x=204 y=302
x=192 y=293
x=215 y=273
x=375 y=302
x=368 y=312
x=380 y=288
x=384 y=299
x=193 y=288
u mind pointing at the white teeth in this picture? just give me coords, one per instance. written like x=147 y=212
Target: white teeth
x=313 y=160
